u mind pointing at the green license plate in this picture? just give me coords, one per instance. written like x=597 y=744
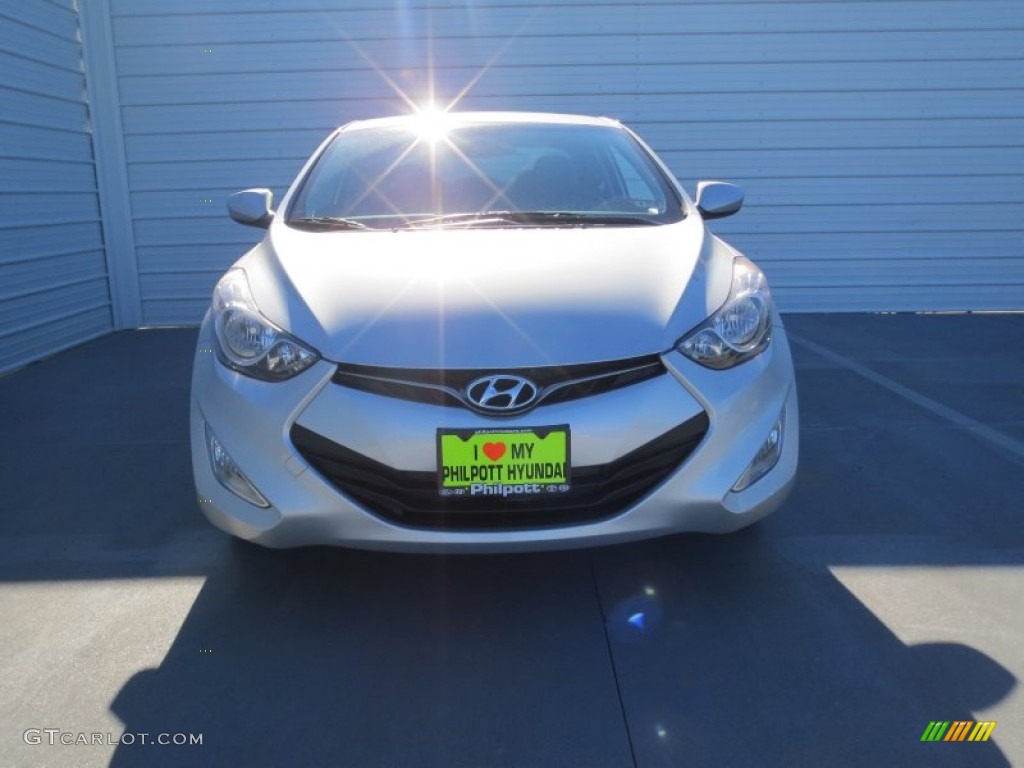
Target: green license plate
x=510 y=463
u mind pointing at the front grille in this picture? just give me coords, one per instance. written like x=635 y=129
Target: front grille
x=411 y=498
x=556 y=383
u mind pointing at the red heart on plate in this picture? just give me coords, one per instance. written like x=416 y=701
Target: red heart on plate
x=494 y=451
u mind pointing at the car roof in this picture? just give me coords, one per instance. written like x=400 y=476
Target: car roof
x=462 y=118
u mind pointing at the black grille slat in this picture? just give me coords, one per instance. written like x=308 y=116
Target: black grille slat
x=397 y=389
x=412 y=499
x=606 y=383
x=557 y=383
x=648 y=466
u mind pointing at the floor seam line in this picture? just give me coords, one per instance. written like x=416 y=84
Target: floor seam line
x=611 y=658
x=1014 y=447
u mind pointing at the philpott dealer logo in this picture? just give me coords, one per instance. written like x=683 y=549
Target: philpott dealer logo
x=958 y=730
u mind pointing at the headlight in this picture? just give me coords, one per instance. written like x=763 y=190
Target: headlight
x=740 y=329
x=249 y=343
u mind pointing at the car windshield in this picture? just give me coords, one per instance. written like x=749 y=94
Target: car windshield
x=484 y=174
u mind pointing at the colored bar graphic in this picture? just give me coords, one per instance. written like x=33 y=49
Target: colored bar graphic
x=935 y=730
x=982 y=730
x=958 y=730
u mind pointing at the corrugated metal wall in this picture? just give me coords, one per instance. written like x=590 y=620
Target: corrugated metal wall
x=881 y=142
x=53 y=274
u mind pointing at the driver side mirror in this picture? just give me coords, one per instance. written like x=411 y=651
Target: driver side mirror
x=718 y=199
x=252 y=207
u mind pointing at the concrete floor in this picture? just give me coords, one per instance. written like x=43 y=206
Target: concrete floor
x=886 y=594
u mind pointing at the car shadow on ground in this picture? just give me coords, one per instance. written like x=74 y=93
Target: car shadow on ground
x=714 y=651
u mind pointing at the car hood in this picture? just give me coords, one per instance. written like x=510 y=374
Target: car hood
x=486 y=298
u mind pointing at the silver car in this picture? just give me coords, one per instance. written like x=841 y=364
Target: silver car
x=486 y=332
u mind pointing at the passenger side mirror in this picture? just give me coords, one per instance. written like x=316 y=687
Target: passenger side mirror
x=252 y=207
x=718 y=199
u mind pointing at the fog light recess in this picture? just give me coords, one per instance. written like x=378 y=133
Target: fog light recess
x=228 y=474
x=767 y=456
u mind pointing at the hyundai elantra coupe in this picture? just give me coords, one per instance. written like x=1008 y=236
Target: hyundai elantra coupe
x=485 y=332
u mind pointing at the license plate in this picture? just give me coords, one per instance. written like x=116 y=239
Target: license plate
x=510 y=463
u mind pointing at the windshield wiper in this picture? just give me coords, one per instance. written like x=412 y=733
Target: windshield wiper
x=329 y=222
x=482 y=217
x=572 y=217
x=533 y=217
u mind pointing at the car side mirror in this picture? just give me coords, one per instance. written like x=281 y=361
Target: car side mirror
x=718 y=199
x=252 y=207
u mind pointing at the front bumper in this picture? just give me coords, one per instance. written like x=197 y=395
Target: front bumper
x=254 y=420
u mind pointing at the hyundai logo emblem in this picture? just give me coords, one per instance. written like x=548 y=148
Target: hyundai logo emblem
x=501 y=393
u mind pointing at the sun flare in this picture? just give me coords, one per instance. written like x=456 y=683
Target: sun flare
x=432 y=123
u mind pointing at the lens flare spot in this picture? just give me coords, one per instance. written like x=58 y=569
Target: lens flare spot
x=432 y=124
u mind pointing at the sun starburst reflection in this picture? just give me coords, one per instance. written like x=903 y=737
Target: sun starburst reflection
x=433 y=127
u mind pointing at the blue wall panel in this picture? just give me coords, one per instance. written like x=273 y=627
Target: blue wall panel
x=880 y=142
x=53 y=273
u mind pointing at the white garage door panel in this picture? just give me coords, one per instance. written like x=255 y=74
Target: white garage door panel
x=916 y=219
x=29 y=175
x=189 y=232
x=939 y=247
x=682 y=110
x=270 y=144
x=33 y=142
x=200 y=258
x=916 y=297
x=32 y=109
x=881 y=273
x=180 y=26
x=836 y=164
x=54 y=299
x=53 y=273
x=26 y=243
x=30 y=210
x=176 y=310
x=869 y=190
x=206 y=175
x=44 y=46
x=760 y=135
x=26 y=276
x=375 y=24
x=35 y=76
x=181 y=284
x=55 y=18
x=609 y=79
x=569 y=49
x=159 y=7
x=871 y=137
